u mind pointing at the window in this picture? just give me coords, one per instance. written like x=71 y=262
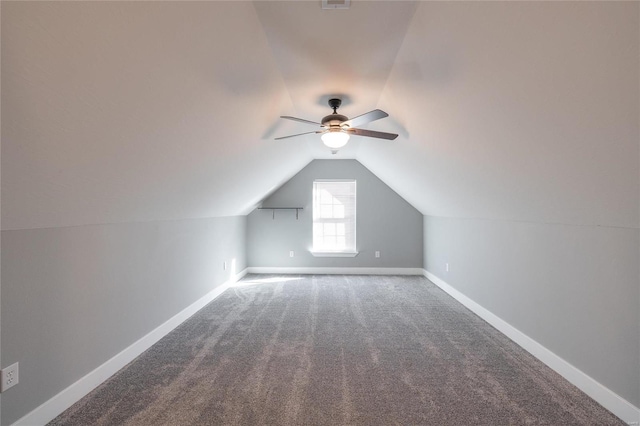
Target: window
x=334 y=217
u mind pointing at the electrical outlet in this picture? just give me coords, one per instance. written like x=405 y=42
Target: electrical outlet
x=446 y=266
x=9 y=377
x=224 y=266
x=377 y=253
x=291 y=253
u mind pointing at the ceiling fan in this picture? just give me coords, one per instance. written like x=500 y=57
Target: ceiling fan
x=337 y=128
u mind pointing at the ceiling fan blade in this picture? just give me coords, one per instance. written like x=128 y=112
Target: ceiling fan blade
x=372 y=134
x=302 y=120
x=299 y=134
x=365 y=118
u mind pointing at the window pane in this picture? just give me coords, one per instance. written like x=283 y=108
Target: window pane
x=326 y=211
x=340 y=229
x=330 y=242
x=329 y=229
x=325 y=197
x=338 y=211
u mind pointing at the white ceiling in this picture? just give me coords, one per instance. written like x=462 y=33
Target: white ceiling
x=137 y=111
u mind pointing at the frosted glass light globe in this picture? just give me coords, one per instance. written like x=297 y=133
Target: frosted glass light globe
x=335 y=139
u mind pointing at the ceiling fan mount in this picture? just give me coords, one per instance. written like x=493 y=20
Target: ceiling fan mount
x=335 y=104
x=337 y=128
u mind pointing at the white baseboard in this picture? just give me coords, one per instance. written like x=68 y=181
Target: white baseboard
x=600 y=393
x=50 y=409
x=334 y=271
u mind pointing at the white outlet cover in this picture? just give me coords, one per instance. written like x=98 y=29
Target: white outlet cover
x=9 y=377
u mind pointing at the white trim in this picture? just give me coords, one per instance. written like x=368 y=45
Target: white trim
x=334 y=270
x=334 y=253
x=50 y=409
x=603 y=395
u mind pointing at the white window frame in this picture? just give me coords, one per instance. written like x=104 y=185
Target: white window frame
x=349 y=222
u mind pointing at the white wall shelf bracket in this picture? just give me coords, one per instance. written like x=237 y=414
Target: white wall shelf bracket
x=273 y=210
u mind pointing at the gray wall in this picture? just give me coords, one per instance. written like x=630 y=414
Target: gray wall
x=73 y=297
x=385 y=222
x=573 y=289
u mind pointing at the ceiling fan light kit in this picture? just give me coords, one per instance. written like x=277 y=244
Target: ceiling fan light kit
x=335 y=139
x=337 y=127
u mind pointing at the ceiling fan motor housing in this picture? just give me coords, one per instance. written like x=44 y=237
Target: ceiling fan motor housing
x=333 y=120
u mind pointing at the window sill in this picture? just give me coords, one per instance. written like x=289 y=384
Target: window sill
x=334 y=253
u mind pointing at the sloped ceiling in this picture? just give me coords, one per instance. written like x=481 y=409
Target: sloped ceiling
x=522 y=111
x=137 y=111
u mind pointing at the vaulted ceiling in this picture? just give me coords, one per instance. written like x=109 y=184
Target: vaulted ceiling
x=137 y=111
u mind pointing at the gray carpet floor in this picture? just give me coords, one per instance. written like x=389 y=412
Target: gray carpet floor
x=335 y=350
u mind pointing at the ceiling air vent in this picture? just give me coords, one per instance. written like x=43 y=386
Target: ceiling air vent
x=336 y=4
